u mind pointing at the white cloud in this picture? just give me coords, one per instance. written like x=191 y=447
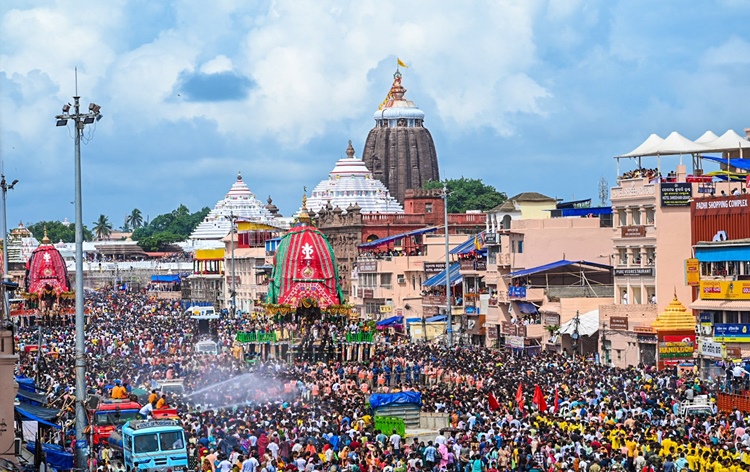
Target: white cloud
x=734 y=51
x=220 y=63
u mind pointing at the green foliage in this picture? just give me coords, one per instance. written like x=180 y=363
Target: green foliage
x=178 y=224
x=158 y=241
x=469 y=194
x=134 y=219
x=102 y=227
x=56 y=231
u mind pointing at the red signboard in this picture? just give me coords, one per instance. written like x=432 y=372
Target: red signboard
x=675 y=347
x=720 y=218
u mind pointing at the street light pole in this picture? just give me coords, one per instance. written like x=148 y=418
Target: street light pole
x=80 y=120
x=233 y=218
x=447 y=268
x=6 y=276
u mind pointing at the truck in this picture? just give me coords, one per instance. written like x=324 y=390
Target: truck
x=108 y=414
x=153 y=445
x=174 y=387
x=698 y=407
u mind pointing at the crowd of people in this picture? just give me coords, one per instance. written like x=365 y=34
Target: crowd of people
x=310 y=416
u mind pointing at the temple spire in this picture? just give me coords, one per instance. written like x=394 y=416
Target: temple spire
x=45 y=239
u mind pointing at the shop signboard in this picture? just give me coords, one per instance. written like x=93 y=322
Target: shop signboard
x=490 y=238
x=635 y=272
x=516 y=292
x=675 y=347
x=724 y=289
x=711 y=349
x=734 y=353
x=434 y=267
x=692 y=272
x=619 y=323
x=516 y=342
x=551 y=319
x=368 y=293
x=367 y=266
x=732 y=333
x=676 y=194
x=638 y=231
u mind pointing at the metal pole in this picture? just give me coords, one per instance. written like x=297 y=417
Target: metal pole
x=80 y=363
x=447 y=268
x=234 y=292
x=80 y=120
x=6 y=276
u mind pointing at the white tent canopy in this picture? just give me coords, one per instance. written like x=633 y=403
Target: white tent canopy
x=650 y=143
x=729 y=141
x=588 y=324
x=675 y=143
x=707 y=137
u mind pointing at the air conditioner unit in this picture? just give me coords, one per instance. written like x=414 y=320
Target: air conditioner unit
x=401 y=279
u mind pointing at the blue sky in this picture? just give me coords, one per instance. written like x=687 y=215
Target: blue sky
x=527 y=95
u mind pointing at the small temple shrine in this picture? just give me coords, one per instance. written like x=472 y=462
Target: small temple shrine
x=675 y=332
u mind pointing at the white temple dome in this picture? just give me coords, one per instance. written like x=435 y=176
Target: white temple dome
x=350 y=185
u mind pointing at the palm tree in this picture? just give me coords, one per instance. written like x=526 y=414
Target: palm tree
x=135 y=219
x=102 y=227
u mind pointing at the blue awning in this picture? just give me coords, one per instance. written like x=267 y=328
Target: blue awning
x=556 y=265
x=389 y=239
x=722 y=254
x=527 y=308
x=439 y=278
x=38 y=413
x=469 y=246
x=166 y=278
x=393 y=320
x=436 y=319
x=743 y=164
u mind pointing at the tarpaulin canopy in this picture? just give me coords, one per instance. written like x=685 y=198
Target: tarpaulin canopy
x=25 y=383
x=743 y=164
x=26 y=396
x=436 y=319
x=38 y=413
x=556 y=265
x=585 y=324
x=165 y=278
x=722 y=254
x=469 y=246
x=401 y=398
x=527 y=308
x=439 y=278
x=56 y=456
x=393 y=320
x=389 y=239
x=675 y=143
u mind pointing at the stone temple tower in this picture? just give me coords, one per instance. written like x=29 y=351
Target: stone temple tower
x=399 y=150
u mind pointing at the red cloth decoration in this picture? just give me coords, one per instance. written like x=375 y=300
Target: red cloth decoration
x=539 y=399
x=47 y=267
x=494 y=405
x=556 y=407
x=519 y=396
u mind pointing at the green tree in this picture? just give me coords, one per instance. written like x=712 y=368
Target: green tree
x=102 y=227
x=57 y=231
x=134 y=219
x=158 y=241
x=179 y=222
x=469 y=194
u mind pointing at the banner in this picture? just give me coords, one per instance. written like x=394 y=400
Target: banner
x=724 y=290
x=732 y=333
x=692 y=272
x=711 y=349
x=675 y=347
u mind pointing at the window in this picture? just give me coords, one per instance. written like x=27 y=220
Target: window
x=368 y=280
x=386 y=280
x=730 y=317
x=171 y=441
x=520 y=247
x=146 y=443
x=428 y=207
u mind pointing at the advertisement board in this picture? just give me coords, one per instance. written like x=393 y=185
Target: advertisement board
x=367 y=266
x=675 y=347
x=724 y=290
x=618 y=323
x=434 y=267
x=635 y=272
x=732 y=333
x=692 y=272
x=709 y=348
x=676 y=194
x=633 y=231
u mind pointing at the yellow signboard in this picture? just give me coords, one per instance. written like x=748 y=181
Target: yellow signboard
x=386 y=308
x=692 y=272
x=724 y=290
x=209 y=254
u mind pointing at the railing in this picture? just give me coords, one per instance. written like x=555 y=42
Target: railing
x=254 y=337
x=359 y=337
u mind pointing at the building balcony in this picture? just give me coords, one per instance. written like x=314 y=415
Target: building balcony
x=433 y=300
x=502 y=260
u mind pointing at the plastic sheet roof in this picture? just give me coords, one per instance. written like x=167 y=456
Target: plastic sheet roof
x=675 y=143
x=587 y=324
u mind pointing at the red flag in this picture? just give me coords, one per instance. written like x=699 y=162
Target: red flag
x=538 y=399
x=519 y=396
x=494 y=405
x=556 y=408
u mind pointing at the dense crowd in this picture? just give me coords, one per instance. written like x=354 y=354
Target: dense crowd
x=307 y=416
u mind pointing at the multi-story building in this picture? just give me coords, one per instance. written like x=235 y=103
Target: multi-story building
x=720 y=270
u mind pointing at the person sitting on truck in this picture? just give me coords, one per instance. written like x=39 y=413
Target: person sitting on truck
x=153 y=397
x=118 y=391
x=162 y=403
